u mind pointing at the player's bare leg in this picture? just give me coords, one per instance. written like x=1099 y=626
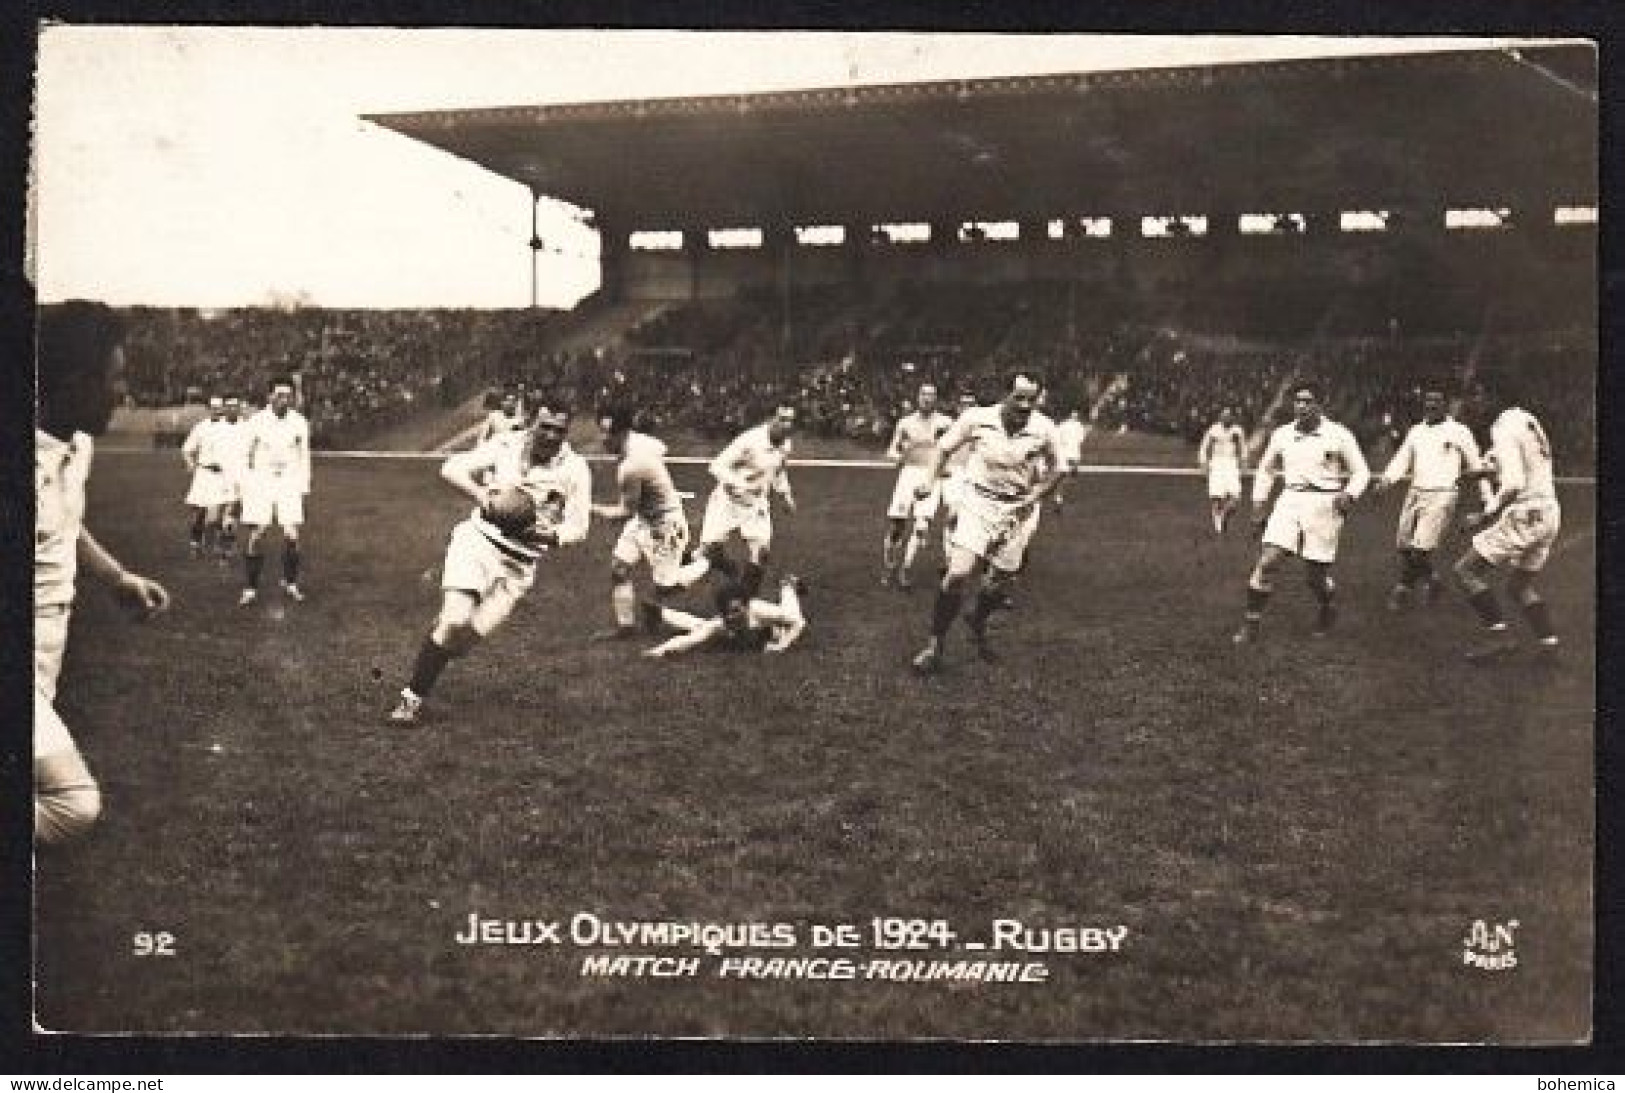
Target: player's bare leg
x=962 y=569
x=1259 y=586
x=1318 y=576
x=453 y=635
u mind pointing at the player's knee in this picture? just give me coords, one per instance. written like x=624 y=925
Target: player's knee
x=666 y=591
x=456 y=636
x=61 y=815
x=619 y=572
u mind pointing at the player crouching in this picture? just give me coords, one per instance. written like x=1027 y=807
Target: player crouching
x=533 y=494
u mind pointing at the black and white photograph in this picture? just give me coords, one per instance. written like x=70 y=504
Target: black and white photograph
x=814 y=535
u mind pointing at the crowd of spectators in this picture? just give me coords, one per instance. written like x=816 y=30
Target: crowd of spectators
x=850 y=361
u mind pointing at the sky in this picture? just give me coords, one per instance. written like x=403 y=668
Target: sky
x=219 y=167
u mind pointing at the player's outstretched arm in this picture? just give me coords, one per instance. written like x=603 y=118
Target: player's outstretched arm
x=138 y=595
x=464 y=469
x=682 y=643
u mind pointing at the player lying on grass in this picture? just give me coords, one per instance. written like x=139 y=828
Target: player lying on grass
x=533 y=494
x=742 y=623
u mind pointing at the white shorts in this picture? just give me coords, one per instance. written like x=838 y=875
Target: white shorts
x=1307 y=524
x=210 y=489
x=1224 y=479
x=476 y=565
x=952 y=491
x=993 y=530
x=1522 y=536
x=51 y=736
x=661 y=544
x=905 y=504
x=273 y=499
x=1424 y=519
x=749 y=516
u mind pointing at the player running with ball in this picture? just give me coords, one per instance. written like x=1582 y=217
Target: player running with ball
x=533 y=493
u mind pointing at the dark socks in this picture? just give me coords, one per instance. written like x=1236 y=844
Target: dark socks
x=290 y=562
x=431 y=660
x=945 y=611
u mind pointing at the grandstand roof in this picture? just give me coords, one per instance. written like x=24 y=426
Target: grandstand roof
x=1408 y=130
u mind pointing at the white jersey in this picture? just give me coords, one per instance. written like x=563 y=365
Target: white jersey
x=1222 y=444
x=504 y=461
x=1523 y=457
x=1069 y=436
x=1434 y=456
x=645 y=481
x=1326 y=459
x=915 y=436
x=61 y=469
x=278 y=446
x=752 y=464
x=1004 y=464
x=231 y=445
x=202 y=445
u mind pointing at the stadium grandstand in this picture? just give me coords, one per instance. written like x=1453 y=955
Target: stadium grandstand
x=1157 y=242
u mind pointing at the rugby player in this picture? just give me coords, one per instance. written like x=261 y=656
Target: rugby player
x=276 y=478
x=80 y=370
x=1437 y=455
x=909 y=517
x=1516 y=531
x=1321 y=472
x=209 y=493
x=491 y=562
x=1223 y=455
x=506 y=417
x=743 y=622
x=656 y=528
x=748 y=472
x=1014 y=464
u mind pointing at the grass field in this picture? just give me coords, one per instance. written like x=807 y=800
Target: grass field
x=1298 y=835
